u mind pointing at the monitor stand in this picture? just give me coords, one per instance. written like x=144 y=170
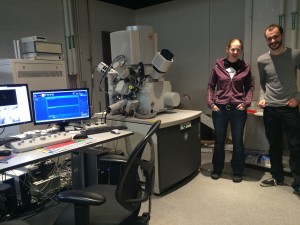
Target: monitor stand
x=5 y=141
x=62 y=126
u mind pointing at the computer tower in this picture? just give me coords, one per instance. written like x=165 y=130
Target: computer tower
x=77 y=170
x=8 y=199
x=110 y=172
x=46 y=186
x=91 y=164
x=22 y=187
x=98 y=171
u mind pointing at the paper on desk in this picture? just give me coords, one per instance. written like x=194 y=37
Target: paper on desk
x=5 y=158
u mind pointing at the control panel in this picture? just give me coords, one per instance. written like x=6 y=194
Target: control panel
x=41 y=141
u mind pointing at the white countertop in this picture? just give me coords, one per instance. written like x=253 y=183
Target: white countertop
x=168 y=118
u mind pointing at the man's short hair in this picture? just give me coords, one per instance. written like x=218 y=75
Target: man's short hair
x=273 y=26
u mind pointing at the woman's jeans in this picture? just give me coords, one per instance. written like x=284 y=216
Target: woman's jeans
x=237 y=119
x=278 y=120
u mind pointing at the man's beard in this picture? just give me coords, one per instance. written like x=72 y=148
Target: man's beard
x=277 y=45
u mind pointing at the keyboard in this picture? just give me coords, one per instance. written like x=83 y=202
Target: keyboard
x=68 y=145
x=39 y=142
x=103 y=129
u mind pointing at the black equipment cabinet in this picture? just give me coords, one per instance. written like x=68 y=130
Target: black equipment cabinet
x=179 y=153
x=177 y=144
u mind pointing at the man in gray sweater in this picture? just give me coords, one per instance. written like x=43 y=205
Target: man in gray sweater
x=280 y=101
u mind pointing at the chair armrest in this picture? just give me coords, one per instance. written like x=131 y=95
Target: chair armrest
x=114 y=158
x=81 y=197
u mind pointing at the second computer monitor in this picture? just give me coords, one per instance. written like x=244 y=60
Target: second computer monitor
x=60 y=106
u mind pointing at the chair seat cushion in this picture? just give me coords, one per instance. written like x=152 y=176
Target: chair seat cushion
x=111 y=212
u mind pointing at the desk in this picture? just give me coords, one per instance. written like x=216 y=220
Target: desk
x=35 y=156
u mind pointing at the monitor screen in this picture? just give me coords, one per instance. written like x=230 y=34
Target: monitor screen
x=60 y=106
x=14 y=105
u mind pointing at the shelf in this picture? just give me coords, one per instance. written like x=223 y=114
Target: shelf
x=258 y=159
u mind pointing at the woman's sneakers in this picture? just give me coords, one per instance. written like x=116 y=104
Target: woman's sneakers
x=296 y=188
x=215 y=175
x=297 y=192
x=237 y=178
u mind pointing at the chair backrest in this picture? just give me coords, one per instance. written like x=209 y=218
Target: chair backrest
x=131 y=192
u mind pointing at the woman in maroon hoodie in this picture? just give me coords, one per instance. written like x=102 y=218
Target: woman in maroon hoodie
x=229 y=93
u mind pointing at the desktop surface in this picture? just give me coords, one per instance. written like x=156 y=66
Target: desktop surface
x=28 y=157
x=168 y=118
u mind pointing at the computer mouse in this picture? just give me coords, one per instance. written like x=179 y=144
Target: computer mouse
x=5 y=152
x=80 y=136
x=115 y=131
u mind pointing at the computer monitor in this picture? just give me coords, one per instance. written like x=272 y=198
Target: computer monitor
x=14 y=105
x=60 y=106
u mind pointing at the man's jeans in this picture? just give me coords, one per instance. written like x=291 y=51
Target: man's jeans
x=277 y=120
x=237 y=120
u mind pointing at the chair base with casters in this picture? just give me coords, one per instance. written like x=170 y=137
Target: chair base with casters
x=104 y=204
x=14 y=222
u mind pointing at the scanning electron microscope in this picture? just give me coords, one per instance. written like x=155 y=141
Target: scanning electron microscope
x=136 y=85
x=138 y=92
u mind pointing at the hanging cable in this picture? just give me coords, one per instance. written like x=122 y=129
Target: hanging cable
x=294 y=24
x=91 y=54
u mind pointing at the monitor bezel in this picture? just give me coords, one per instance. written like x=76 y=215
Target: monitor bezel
x=63 y=121
x=28 y=103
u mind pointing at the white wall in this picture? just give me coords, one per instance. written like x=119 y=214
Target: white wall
x=195 y=31
x=184 y=30
x=21 y=18
x=259 y=14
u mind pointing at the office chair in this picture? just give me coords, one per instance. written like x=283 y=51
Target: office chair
x=104 y=204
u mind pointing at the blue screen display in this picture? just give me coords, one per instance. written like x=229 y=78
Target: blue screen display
x=55 y=106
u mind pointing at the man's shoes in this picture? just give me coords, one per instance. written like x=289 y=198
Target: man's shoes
x=270 y=182
x=215 y=175
x=297 y=192
x=237 y=178
x=296 y=186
